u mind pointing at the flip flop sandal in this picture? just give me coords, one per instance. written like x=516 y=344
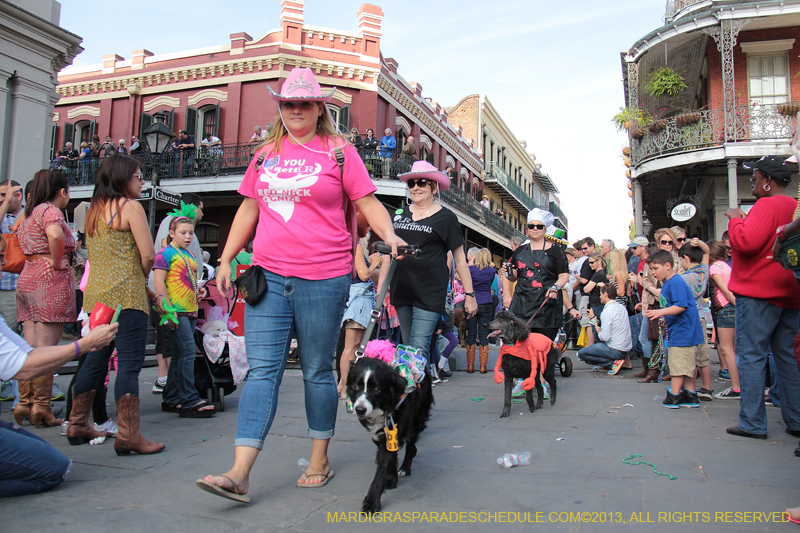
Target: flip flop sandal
x=235 y=494
x=322 y=483
x=194 y=412
x=167 y=408
x=789 y=517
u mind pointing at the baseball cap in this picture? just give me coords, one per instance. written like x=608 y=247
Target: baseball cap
x=639 y=241
x=772 y=166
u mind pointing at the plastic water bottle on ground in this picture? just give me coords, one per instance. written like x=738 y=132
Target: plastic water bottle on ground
x=302 y=462
x=515 y=459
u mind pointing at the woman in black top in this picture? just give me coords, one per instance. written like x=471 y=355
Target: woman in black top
x=598 y=279
x=540 y=269
x=419 y=286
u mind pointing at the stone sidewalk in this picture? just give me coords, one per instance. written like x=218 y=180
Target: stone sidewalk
x=455 y=470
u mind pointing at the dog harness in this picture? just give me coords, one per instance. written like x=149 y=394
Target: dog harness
x=535 y=349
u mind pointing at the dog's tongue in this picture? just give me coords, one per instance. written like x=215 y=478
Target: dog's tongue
x=495 y=333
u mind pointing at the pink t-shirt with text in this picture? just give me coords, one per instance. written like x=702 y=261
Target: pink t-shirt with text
x=301 y=231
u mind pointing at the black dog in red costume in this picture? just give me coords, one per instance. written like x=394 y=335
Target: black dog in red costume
x=523 y=355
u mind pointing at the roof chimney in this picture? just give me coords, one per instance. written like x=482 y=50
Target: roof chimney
x=369 y=26
x=292 y=20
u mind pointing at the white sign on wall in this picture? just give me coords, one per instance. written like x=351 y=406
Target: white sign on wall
x=683 y=212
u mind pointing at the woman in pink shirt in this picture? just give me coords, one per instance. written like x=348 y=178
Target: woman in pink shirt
x=293 y=199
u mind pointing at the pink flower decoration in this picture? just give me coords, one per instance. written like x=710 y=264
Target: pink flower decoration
x=382 y=350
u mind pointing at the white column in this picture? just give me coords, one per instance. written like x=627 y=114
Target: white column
x=4 y=75
x=733 y=184
x=637 y=207
x=29 y=129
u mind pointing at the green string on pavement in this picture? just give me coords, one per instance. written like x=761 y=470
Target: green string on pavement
x=478 y=399
x=648 y=464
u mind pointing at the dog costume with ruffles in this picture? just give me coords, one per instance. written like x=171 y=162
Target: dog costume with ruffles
x=535 y=349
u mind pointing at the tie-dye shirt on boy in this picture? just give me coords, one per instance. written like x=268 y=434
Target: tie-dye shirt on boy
x=180 y=290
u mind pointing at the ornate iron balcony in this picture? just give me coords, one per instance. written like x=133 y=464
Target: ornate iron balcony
x=703 y=129
x=496 y=173
x=233 y=159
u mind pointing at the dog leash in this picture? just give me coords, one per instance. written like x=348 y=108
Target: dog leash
x=537 y=311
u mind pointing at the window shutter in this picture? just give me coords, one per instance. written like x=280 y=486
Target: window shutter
x=170 y=120
x=190 y=124
x=145 y=121
x=216 y=121
x=344 y=120
x=92 y=129
x=69 y=133
x=53 y=131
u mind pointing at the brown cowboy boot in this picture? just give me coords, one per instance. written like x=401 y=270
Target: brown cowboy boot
x=79 y=431
x=652 y=375
x=23 y=408
x=645 y=369
x=484 y=354
x=42 y=410
x=470 y=358
x=129 y=434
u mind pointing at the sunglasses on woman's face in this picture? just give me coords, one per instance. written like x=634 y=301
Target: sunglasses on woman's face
x=536 y=226
x=666 y=243
x=681 y=239
x=421 y=182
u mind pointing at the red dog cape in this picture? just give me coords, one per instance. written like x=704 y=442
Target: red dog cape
x=535 y=349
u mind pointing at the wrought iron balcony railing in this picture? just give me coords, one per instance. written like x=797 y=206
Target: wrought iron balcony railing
x=497 y=173
x=233 y=159
x=704 y=129
x=557 y=212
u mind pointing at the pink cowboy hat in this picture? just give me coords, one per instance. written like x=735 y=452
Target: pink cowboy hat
x=301 y=85
x=423 y=169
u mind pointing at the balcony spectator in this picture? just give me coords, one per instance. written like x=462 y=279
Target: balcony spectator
x=121 y=147
x=187 y=148
x=355 y=138
x=85 y=162
x=95 y=146
x=258 y=136
x=70 y=154
x=485 y=203
x=57 y=161
x=370 y=142
x=108 y=147
x=136 y=148
x=409 y=148
x=214 y=147
x=499 y=212
x=388 y=144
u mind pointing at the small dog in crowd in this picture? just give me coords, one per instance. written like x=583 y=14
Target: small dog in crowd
x=377 y=392
x=460 y=323
x=535 y=354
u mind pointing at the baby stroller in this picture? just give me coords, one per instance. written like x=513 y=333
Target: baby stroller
x=213 y=381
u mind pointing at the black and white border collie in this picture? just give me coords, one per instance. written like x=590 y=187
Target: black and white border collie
x=376 y=390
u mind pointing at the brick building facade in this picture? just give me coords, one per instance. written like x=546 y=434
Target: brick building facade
x=223 y=90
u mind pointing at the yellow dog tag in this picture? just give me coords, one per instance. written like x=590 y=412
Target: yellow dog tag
x=391 y=439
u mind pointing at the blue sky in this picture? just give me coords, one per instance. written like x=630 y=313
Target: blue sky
x=552 y=69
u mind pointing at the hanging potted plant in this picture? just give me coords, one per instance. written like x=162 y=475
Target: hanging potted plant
x=789 y=109
x=637 y=133
x=625 y=119
x=657 y=126
x=665 y=81
x=626 y=151
x=687 y=119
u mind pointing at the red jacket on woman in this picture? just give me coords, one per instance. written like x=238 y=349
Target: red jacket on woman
x=752 y=274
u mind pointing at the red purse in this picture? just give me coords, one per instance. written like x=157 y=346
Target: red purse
x=12 y=253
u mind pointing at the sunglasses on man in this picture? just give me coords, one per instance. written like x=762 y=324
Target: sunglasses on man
x=536 y=226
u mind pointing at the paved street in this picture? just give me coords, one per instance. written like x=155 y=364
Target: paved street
x=455 y=470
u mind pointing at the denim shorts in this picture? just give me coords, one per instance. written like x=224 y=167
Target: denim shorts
x=726 y=317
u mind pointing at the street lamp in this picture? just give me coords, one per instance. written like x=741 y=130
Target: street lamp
x=158 y=137
x=646 y=225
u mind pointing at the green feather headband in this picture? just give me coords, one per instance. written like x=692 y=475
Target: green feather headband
x=187 y=210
